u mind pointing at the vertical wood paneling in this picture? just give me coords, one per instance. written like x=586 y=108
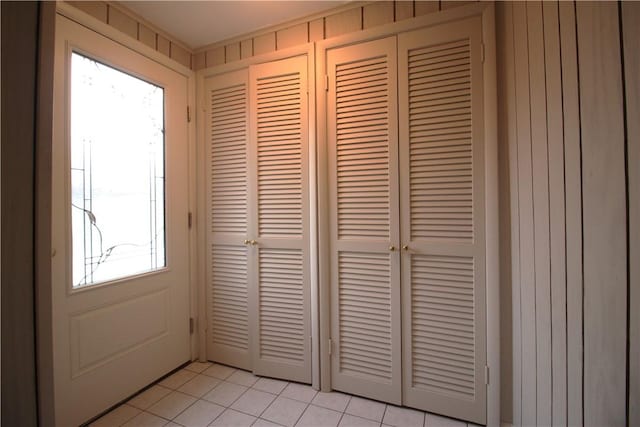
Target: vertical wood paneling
x=377 y=13
x=404 y=10
x=232 y=52
x=180 y=55
x=97 y=9
x=423 y=7
x=573 y=203
x=540 y=162
x=246 y=48
x=631 y=37
x=264 y=44
x=213 y=56
x=444 y=4
x=604 y=213
x=147 y=36
x=343 y=22
x=123 y=22
x=199 y=61
x=292 y=36
x=163 y=45
x=510 y=369
x=525 y=207
x=316 y=30
x=555 y=144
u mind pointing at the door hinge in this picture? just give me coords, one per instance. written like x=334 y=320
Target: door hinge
x=190 y=220
x=192 y=325
x=482 y=52
x=330 y=347
x=326 y=82
x=188 y=114
x=486 y=374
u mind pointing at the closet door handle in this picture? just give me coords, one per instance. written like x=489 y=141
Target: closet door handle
x=253 y=243
x=246 y=242
x=392 y=248
x=405 y=248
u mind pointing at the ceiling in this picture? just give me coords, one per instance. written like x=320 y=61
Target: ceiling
x=200 y=23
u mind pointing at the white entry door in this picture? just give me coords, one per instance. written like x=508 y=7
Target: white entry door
x=119 y=220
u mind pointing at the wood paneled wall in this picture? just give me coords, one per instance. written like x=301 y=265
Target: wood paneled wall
x=129 y=23
x=569 y=111
x=345 y=20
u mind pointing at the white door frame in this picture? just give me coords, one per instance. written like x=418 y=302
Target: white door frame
x=307 y=50
x=44 y=300
x=487 y=11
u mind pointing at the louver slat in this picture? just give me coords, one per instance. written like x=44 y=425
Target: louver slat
x=362 y=130
x=281 y=310
x=279 y=144
x=228 y=159
x=228 y=297
x=443 y=207
x=362 y=144
x=227 y=134
x=365 y=316
x=440 y=140
x=428 y=337
x=280 y=306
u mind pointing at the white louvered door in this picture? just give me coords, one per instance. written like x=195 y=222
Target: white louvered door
x=442 y=205
x=228 y=267
x=364 y=219
x=279 y=187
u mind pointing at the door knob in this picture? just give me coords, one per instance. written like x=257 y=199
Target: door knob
x=246 y=242
x=392 y=248
x=405 y=247
x=253 y=242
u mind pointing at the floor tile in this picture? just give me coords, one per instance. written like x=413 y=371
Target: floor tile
x=403 y=417
x=199 y=385
x=231 y=418
x=171 y=405
x=301 y=392
x=316 y=416
x=365 y=408
x=149 y=397
x=270 y=385
x=198 y=367
x=225 y=393
x=432 y=420
x=116 y=417
x=353 y=421
x=284 y=411
x=244 y=378
x=172 y=424
x=199 y=414
x=253 y=402
x=177 y=379
x=264 y=423
x=332 y=400
x=219 y=371
x=145 y=419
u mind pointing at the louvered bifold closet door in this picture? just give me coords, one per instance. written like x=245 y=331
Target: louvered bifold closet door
x=226 y=132
x=442 y=206
x=363 y=186
x=279 y=188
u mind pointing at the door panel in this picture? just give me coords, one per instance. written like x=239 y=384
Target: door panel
x=229 y=270
x=442 y=205
x=364 y=224
x=112 y=338
x=280 y=295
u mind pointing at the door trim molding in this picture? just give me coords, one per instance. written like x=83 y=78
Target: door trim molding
x=487 y=11
x=307 y=50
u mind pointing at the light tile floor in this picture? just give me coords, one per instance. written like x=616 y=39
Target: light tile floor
x=208 y=394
